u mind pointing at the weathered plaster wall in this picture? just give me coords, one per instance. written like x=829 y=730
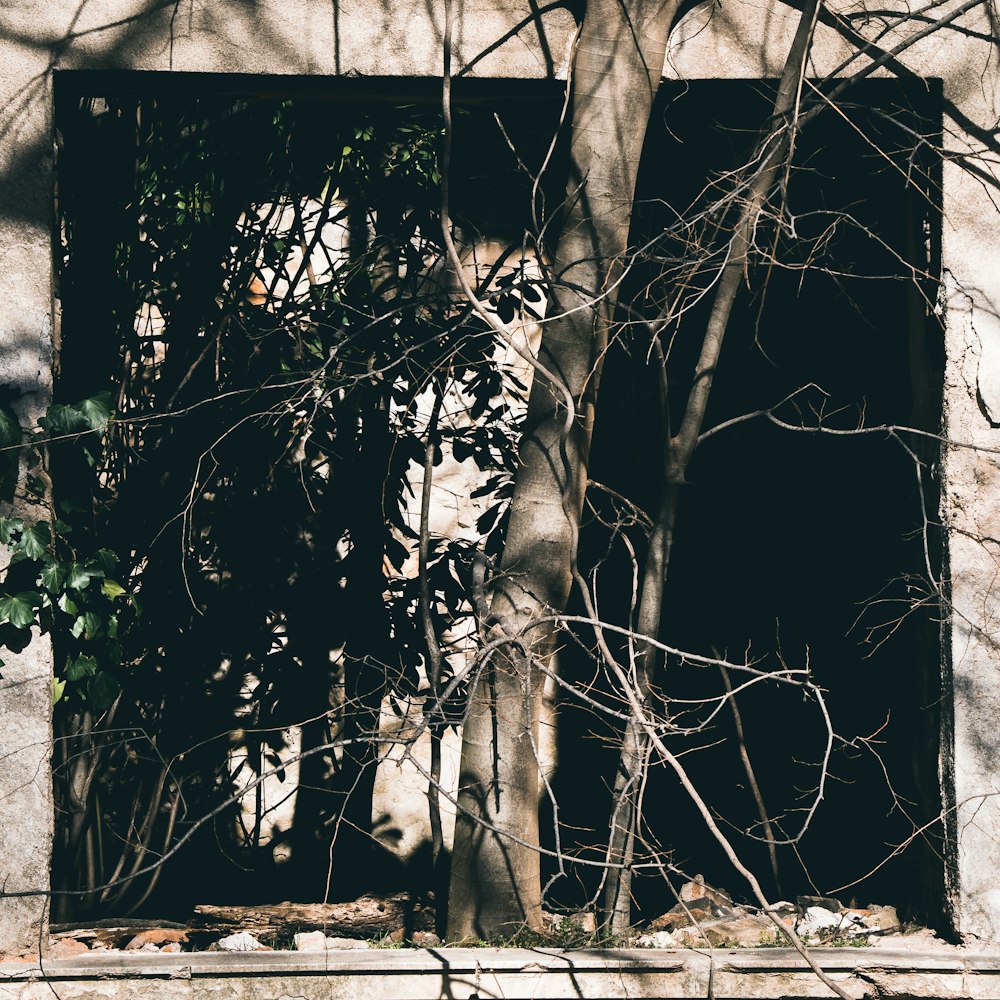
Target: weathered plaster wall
x=506 y=38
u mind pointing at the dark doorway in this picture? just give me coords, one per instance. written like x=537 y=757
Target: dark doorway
x=796 y=547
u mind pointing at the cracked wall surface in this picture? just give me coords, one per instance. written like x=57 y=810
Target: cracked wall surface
x=507 y=38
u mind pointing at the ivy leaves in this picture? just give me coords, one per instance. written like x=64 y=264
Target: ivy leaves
x=90 y=414
x=20 y=610
x=78 y=600
x=86 y=420
x=75 y=596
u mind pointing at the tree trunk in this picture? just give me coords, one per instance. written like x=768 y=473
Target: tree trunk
x=495 y=882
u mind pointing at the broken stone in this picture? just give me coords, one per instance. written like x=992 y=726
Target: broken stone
x=786 y=912
x=880 y=920
x=656 y=939
x=825 y=902
x=68 y=948
x=916 y=940
x=696 y=912
x=172 y=947
x=426 y=939
x=318 y=941
x=334 y=943
x=310 y=941
x=241 y=941
x=818 y=922
x=743 y=932
x=698 y=889
x=158 y=936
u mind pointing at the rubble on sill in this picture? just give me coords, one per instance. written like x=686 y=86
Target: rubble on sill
x=704 y=917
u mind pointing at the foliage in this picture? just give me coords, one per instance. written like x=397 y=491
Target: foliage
x=245 y=404
x=74 y=592
x=241 y=410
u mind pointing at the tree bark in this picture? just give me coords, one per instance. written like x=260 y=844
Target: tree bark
x=495 y=881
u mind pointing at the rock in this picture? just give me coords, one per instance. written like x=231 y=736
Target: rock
x=656 y=939
x=786 y=912
x=426 y=939
x=342 y=943
x=310 y=941
x=697 y=889
x=318 y=941
x=696 y=912
x=743 y=932
x=818 y=922
x=825 y=902
x=880 y=920
x=172 y=947
x=241 y=941
x=158 y=936
x=68 y=948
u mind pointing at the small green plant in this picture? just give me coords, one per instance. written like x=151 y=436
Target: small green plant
x=386 y=942
x=840 y=941
x=772 y=939
x=567 y=934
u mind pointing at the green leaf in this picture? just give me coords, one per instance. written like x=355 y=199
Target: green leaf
x=61 y=419
x=35 y=540
x=19 y=610
x=58 y=687
x=92 y=624
x=82 y=666
x=96 y=411
x=105 y=560
x=79 y=576
x=102 y=691
x=8 y=525
x=67 y=604
x=53 y=577
x=112 y=589
x=10 y=429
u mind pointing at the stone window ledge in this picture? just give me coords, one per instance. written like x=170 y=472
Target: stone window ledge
x=938 y=972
